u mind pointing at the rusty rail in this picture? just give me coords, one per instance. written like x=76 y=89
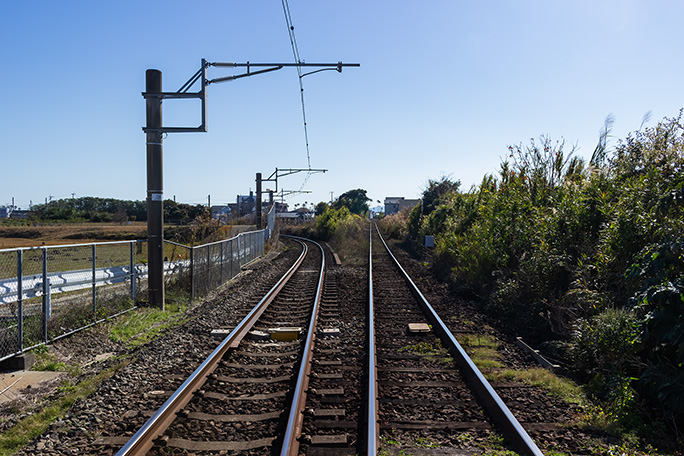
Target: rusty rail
x=510 y=426
x=143 y=440
x=296 y=417
x=373 y=430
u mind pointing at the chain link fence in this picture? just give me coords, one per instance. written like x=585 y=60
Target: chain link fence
x=49 y=292
x=206 y=267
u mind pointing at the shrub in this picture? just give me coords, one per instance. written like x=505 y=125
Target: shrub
x=326 y=223
x=395 y=225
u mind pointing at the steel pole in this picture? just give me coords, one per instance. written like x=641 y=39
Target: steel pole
x=20 y=302
x=155 y=213
x=258 y=201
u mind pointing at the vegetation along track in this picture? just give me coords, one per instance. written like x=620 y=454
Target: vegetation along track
x=429 y=393
x=423 y=402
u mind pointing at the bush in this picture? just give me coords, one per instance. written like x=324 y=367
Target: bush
x=326 y=223
x=589 y=254
x=395 y=225
x=605 y=350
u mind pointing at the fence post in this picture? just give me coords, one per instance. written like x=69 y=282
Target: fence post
x=20 y=302
x=241 y=250
x=94 y=281
x=46 y=290
x=48 y=306
x=208 y=271
x=132 y=266
x=221 y=275
x=192 y=274
x=232 y=258
x=258 y=201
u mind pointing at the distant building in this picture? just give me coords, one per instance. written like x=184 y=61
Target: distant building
x=296 y=216
x=19 y=215
x=5 y=212
x=305 y=213
x=394 y=204
x=221 y=213
x=245 y=204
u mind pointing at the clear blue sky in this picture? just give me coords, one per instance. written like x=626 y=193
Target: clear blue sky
x=443 y=88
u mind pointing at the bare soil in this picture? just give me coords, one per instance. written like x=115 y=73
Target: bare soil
x=77 y=233
x=12 y=236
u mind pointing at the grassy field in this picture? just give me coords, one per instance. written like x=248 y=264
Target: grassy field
x=79 y=233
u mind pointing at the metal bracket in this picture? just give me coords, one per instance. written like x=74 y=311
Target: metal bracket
x=201 y=75
x=286 y=172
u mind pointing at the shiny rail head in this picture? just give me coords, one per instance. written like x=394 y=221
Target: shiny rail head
x=494 y=404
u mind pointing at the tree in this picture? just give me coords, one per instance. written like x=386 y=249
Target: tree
x=321 y=207
x=435 y=190
x=354 y=200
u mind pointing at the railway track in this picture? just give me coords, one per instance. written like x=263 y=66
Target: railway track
x=238 y=400
x=428 y=392
x=315 y=371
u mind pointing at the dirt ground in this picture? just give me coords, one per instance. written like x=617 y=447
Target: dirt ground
x=81 y=233
x=78 y=233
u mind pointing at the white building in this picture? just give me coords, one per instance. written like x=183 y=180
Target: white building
x=394 y=204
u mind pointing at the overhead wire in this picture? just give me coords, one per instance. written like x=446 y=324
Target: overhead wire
x=295 y=53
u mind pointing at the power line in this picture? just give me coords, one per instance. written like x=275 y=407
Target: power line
x=295 y=53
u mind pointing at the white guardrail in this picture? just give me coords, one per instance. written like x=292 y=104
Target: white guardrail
x=62 y=282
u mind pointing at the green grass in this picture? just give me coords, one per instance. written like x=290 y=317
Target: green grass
x=35 y=424
x=433 y=351
x=426 y=442
x=132 y=329
x=478 y=340
x=145 y=324
x=556 y=386
x=482 y=350
x=46 y=361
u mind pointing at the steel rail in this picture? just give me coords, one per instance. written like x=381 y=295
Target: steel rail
x=143 y=440
x=510 y=426
x=373 y=430
x=295 y=419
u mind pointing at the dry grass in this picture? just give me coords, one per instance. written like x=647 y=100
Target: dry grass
x=77 y=233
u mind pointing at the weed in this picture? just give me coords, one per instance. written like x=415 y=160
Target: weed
x=423 y=347
x=426 y=442
x=432 y=351
x=35 y=424
x=556 y=386
x=479 y=340
x=465 y=437
x=46 y=361
x=142 y=325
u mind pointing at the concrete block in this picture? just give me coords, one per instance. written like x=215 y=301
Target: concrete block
x=220 y=333
x=285 y=333
x=330 y=332
x=418 y=328
x=20 y=362
x=258 y=335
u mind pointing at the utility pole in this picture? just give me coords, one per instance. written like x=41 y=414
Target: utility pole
x=154 y=130
x=155 y=212
x=258 y=201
